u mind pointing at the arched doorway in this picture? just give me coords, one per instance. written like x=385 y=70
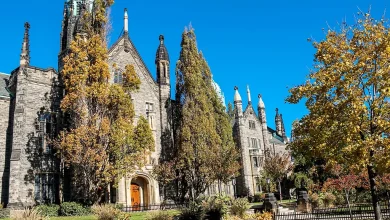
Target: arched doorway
x=139 y=192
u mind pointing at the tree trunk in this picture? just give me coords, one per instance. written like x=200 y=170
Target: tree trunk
x=349 y=205
x=377 y=209
x=280 y=192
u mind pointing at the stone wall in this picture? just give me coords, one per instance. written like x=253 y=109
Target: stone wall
x=148 y=93
x=4 y=115
x=32 y=84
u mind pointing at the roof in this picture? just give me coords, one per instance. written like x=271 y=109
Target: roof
x=162 y=52
x=3 y=90
x=124 y=36
x=276 y=140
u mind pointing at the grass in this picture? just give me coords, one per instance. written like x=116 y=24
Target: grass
x=134 y=216
x=90 y=217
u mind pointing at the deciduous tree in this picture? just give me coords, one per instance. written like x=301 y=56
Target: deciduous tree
x=99 y=144
x=347 y=95
x=277 y=167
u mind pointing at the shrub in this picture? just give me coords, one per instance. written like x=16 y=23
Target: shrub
x=105 y=212
x=73 y=209
x=340 y=200
x=27 y=214
x=258 y=197
x=124 y=216
x=119 y=206
x=193 y=212
x=232 y=217
x=259 y=216
x=48 y=210
x=239 y=206
x=4 y=213
x=315 y=200
x=329 y=199
x=160 y=215
x=215 y=207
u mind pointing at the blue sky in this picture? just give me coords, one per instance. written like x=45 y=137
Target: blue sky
x=258 y=43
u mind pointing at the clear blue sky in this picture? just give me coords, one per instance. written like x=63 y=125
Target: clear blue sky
x=262 y=43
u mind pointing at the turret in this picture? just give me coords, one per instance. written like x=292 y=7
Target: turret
x=72 y=23
x=237 y=103
x=162 y=63
x=164 y=84
x=263 y=121
x=25 y=55
x=283 y=129
x=278 y=122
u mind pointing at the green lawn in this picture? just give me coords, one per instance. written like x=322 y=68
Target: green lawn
x=134 y=216
x=90 y=217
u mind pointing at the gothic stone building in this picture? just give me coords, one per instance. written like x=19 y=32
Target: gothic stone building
x=30 y=172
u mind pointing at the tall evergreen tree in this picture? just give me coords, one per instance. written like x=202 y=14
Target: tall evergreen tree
x=204 y=147
x=230 y=111
x=226 y=162
x=99 y=144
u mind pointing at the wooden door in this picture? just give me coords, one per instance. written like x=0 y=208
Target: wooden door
x=135 y=197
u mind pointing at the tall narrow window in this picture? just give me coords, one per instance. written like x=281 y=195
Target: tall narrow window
x=118 y=77
x=252 y=125
x=254 y=143
x=255 y=162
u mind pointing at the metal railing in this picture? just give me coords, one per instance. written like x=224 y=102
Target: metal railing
x=355 y=211
x=142 y=208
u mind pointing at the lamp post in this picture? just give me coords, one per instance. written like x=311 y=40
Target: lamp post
x=268 y=184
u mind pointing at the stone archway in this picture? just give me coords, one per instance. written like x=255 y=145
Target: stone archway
x=140 y=191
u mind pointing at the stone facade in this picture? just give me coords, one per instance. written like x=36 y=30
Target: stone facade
x=256 y=141
x=30 y=85
x=31 y=174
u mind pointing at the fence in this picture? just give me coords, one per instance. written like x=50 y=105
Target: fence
x=358 y=211
x=141 y=208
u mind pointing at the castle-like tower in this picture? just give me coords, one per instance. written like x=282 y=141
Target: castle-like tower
x=255 y=140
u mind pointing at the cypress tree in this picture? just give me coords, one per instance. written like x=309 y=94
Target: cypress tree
x=204 y=147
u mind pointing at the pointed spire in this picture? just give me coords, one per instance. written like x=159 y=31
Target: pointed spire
x=237 y=97
x=161 y=39
x=278 y=122
x=25 y=55
x=126 y=22
x=249 y=94
x=261 y=103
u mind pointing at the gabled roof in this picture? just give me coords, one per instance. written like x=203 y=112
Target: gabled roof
x=3 y=90
x=249 y=109
x=136 y=51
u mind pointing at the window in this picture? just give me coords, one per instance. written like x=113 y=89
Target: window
x=149 y=107
x=118 y=76
x=258 y=184
x=255 y=161
x=249 y=142
x=252 y=125
x=45 y=190
x=254 y=143
x=261 y=161
x=150 y=114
